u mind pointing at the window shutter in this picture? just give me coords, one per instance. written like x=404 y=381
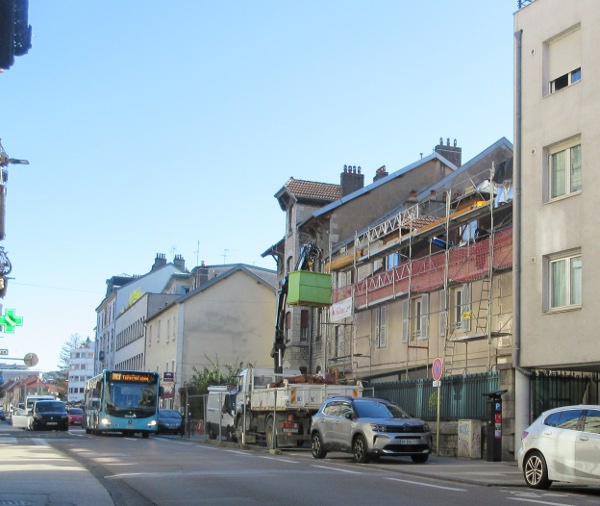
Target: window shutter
x=405 y=320
x=564 y=55
x=443 y=313
x=383 y=327
x=425 y=316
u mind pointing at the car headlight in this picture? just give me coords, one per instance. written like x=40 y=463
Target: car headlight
x=377 y=427
x=152 y=423
x=105 y=422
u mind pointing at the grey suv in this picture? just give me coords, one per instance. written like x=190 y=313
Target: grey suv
x=368 y=428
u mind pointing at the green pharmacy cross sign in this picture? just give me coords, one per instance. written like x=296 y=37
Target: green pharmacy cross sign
x=10 y=320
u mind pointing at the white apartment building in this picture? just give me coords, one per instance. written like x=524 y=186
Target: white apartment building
x=557 y=127
x=81 y=369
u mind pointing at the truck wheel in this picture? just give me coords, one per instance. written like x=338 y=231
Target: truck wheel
x=212 y=434
x=316 y=446
x=239 y=428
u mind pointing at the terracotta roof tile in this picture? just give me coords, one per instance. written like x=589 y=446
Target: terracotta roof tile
x=313 y=190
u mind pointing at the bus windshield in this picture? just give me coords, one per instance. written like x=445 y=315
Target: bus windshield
x=130 y=399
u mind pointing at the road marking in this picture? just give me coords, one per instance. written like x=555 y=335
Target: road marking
x=537 y=501
x=427 y=485
x=280 y=460
x=338 y=469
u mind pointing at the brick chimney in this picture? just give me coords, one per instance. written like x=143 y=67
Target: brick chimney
x=451 y=153
x=351 y=179
x=380 y=173
x=159 y=261
x=179 y=262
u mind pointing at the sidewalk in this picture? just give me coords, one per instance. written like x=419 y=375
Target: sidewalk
x=37 y=475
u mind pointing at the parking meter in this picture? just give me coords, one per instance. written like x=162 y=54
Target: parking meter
x=494 y=426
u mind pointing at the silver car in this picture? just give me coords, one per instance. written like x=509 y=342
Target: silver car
x=563 y=444
x=368 y=428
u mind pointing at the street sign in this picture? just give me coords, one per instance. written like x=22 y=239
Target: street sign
x=437 y=369
x=10 y=320
x=4 y=351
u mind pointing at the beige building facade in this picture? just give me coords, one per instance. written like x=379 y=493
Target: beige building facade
x=556 y=145
x=229 y=320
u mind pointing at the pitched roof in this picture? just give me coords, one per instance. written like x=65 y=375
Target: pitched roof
x=312 y=189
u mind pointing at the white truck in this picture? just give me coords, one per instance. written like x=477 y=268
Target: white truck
x=278 y=407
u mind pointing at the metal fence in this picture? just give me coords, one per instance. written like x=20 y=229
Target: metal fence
x=551 y=389
x=461 y=397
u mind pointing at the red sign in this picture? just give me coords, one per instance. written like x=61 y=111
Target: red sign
x=437 y=369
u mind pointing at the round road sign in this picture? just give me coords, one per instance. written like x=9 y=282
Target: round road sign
x=436 y=369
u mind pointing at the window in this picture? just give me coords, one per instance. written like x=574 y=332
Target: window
x=415 y=318
x=565 y=281
x=564 y=170
x=380 y=331
x=392 y=260
x=592 y=421
x=304 y=319
x=460 y=308
x=565 y=80
x=564 y=60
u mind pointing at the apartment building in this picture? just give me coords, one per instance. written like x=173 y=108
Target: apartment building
x=556 y=143
x=81 y=369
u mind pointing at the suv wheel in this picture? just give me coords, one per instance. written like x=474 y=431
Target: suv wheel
x=316 y=446
x=420 y=459
x=359 y=449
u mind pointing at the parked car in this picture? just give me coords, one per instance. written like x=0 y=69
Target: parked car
x=49 y=415
x=170 y=422
x=2 y=414
x=562 y=445
x=75 y=416
x=368 y=428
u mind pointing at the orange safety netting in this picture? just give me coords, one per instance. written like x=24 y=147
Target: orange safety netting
x=426 y=274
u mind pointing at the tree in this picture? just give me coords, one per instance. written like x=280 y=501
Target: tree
x=216 y=375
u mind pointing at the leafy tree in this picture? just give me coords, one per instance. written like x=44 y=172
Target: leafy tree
x=216 y=375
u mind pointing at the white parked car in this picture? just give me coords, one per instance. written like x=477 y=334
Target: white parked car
x=563 y=444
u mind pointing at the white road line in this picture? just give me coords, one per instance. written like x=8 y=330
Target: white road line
x=537 y=501
x=427 y=485
x=280 y=459
x=338 y=469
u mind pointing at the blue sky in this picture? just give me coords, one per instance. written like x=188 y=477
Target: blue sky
x=167 y=127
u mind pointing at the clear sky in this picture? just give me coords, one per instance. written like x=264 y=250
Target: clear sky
x=167 y=127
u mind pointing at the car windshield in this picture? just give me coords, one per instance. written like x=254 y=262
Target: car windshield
x=169 y=414
x=48 y=407
x=76 y=411
x=375 y=409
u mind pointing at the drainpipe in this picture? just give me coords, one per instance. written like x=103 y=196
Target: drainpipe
x=521 y=394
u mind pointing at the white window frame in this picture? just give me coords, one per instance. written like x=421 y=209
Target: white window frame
x=570 y=181
x=570 y=266
x=460 y=307
x=415 y=318
x=571 y=77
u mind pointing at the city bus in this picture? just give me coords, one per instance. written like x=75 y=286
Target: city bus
x=122 y=401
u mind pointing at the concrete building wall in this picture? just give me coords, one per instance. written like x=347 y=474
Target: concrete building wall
x=562 y=337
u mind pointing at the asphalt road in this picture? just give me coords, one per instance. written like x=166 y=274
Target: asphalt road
x=169 y=470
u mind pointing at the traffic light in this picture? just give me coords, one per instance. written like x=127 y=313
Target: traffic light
x=15 y=32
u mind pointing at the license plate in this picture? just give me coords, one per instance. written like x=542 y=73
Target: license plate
x=409 y=441
x=52 y=423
